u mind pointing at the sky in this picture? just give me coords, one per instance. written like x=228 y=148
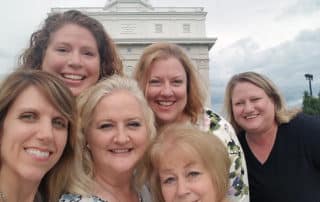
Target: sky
x=280 y=39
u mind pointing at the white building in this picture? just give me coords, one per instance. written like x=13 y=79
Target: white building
x=134 y=24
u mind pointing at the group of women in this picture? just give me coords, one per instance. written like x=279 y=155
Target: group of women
x=74 y=128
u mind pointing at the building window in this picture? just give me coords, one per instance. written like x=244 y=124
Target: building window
x=158 y=28
x=129 y=49
x=186 y=28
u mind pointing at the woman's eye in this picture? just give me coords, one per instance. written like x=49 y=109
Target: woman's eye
x=61 y=49
x=134 y=124
x=168 y=180
x=154 y=82
x=105 y=126
x=238 y=103
x=255 y=99
x=59 y=123
x=177 y=81
x=28 y=116
x=89 y=53
x=193 y=173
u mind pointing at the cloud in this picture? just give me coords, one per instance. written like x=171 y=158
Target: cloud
x=301 y=8
x=6 y=61
x=285 y=64
x=18 y=28
x=4 y=53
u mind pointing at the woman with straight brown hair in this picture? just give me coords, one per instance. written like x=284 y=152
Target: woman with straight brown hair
x=37 y=137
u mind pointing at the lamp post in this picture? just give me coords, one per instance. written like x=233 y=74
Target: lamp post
x=310 y=78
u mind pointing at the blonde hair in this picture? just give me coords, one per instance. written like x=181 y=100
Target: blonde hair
x=59 y=177
x=161 y=51
x=89 y=99
x=190 y=140
x=282 y=114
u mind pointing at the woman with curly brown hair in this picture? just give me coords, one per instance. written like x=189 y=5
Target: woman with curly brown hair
x=75 y=47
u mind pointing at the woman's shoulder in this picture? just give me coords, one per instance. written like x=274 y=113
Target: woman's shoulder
x=212 y=121
x=305 y=122
x=145 y=194
x=79 y=198
x=218 y=126
x=306 y=118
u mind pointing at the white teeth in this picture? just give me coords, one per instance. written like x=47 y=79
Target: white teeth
x=73 y=76
x=251 y=116
x=165 y=103
x=120 y=150
x=38 y=153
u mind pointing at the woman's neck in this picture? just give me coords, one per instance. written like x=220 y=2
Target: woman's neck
x=14 y=188
x=115 y=188
x=263 y=137
x=183 y=118
x=261 y=144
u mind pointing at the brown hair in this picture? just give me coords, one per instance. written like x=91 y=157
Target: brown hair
x=162 y=51
x=282 y=114
x=110 y=62
x=57 y=178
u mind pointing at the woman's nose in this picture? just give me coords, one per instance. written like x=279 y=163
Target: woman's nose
x=182 y=190
x=248 y=107
x=121 y=136
x=75 y=60
x=166 y=90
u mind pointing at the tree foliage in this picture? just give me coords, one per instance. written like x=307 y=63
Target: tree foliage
x=311 y=105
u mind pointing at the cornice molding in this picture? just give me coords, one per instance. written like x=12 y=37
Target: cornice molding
x=155 y=10
x=185 y=41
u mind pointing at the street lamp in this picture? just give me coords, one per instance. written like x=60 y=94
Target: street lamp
x=310 y=78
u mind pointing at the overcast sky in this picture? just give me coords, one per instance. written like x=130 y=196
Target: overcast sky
x=278 y=38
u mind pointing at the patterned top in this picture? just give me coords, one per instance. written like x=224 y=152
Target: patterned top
x=239 y=186
x=80 y=198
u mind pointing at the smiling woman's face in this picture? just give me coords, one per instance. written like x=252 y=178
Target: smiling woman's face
x=184 y=178
x=166 y=90
x=252 y=108
x=33 y=136
x=117 y=136
x=72 y=54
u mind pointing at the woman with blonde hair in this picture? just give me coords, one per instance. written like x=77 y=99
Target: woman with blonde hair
x=37 y=136
x=281 y=145
x=175 y=93
x=188 y=164
x=116 y=127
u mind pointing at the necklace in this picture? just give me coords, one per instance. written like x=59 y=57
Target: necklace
x=3 y=197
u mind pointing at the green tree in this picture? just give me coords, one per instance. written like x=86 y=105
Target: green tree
x=311 y=105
